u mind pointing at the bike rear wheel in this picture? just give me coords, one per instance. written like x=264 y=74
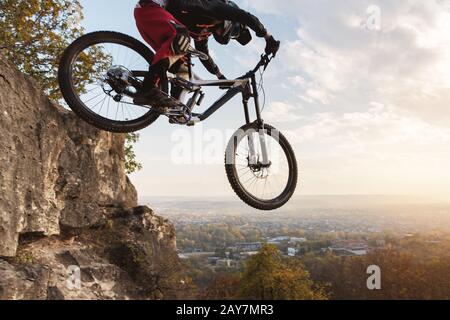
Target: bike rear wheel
x=99 y=74
x=262 y=184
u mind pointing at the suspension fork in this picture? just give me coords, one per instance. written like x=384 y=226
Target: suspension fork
x=261 y=129
x=253 y=156
x=256 y=99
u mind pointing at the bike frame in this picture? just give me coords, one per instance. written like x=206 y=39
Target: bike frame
x=245 y=85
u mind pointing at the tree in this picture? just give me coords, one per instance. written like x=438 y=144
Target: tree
x=131 y=163
x=35 y=33
x=403 y=276
x=224 y=287
x=269 y=276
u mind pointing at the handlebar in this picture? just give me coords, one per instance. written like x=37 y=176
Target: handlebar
x=264 y=62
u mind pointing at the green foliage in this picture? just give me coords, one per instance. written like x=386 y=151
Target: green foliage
x=224 y=287
x=416 y=267
x=403 y=275
x=199 y=271
x=23 y=257
x=131 y=163
x=216 y=235
x=268 y=276
x=412 y=266
x=35 y=33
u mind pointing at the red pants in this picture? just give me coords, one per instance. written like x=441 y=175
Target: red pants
x=155 y=26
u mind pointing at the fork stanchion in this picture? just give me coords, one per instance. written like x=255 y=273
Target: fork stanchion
x=256 y=99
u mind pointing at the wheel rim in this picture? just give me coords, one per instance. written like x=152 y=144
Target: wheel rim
x=263 y=183
x=96 y=92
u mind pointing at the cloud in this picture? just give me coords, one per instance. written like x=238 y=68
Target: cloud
x=282 y=112
x=366 y=109
x=344 y=65
x=371 y=104
x=378 y=151
x=378 y=127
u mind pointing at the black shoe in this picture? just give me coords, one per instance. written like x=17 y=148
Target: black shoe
x=157 y=99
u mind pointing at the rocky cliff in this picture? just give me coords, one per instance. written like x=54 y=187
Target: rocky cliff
x=67 y=208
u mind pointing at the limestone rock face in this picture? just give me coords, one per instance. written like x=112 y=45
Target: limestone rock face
x=55 y=170
x=66 y=204
x=131 y=256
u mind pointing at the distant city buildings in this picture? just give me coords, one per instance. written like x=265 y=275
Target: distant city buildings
x=298 y=240
x=278 y=239
x=349 y=247
x=233 y=257
x=227 y=263
x=292 y=252
x=253 y=246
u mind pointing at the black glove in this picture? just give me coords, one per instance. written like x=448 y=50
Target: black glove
x=272 y=45
x=181 y=42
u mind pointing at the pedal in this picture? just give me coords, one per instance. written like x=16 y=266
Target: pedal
x=176 y=112
x=181 y=115
x=181 y=120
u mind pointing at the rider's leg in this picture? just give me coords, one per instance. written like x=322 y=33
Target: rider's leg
x=181 y=69
x=162 y=31
x=154 y=82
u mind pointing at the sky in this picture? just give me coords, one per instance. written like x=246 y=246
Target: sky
x=360 y=88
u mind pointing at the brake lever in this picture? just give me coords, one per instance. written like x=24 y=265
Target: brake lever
x=267 y=61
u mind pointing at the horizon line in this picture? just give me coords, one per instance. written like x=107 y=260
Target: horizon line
x=418 y=198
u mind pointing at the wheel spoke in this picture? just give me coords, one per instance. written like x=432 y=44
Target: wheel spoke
x=263 y=183
x=93 y=77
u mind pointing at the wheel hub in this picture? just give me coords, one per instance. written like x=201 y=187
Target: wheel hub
x=258 y=166
x=118 y=78
x=261 y=174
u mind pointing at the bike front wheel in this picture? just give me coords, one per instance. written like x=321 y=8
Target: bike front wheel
x=261 y=167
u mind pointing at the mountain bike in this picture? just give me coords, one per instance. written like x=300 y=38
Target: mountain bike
x=100 y=73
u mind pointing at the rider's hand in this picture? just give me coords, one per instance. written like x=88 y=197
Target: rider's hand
x=272 y=45
x=181 y=42
x=180 y=45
